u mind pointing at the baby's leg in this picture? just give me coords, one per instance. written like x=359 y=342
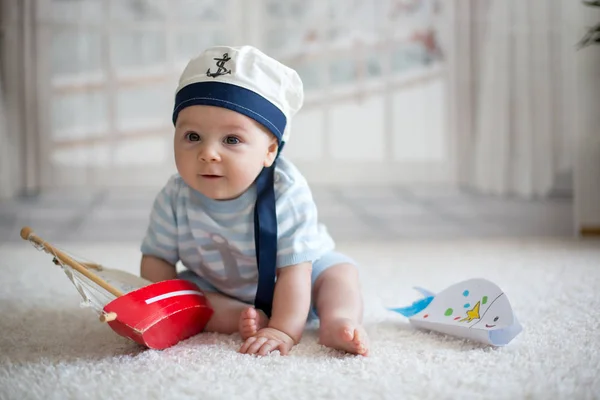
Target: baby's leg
x=230 y=315
x=338 y=299
x=227 y=312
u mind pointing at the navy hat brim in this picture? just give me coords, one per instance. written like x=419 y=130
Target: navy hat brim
x=235 y=98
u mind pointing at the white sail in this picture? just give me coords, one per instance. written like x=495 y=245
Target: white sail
x=93 y=295
x=97 y=285
x=96 y=297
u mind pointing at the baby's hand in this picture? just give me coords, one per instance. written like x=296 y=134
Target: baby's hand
x=267 y=340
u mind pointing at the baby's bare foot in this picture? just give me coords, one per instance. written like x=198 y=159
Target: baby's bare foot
x=251 y=321
x=346 y=335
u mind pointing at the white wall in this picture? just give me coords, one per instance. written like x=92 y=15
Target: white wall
x=587 y=153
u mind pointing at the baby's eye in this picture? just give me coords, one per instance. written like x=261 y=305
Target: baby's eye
x=232 y=140
x=495 y=319
x=192 y=137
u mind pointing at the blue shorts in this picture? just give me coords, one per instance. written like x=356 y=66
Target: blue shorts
x=328 y=260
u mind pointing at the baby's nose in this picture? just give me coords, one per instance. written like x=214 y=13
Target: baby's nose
x=208 y=154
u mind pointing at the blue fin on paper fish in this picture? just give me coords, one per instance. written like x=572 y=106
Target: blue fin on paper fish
x=424 y=292
x=418 y=305
x=415 y=308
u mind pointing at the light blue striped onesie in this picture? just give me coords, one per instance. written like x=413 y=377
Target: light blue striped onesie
x=214 y=239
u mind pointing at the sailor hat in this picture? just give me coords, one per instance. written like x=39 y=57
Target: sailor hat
x=245 y=80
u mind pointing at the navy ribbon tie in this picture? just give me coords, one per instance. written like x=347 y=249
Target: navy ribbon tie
x=253 y=105
x=265 y=237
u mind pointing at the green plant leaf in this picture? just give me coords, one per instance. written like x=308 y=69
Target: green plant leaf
x=592 y=3
x=592 y=36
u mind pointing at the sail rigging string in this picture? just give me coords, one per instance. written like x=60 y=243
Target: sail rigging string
x=94 y=296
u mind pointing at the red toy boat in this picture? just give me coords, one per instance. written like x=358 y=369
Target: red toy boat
x=156 y=315
x=159 y=315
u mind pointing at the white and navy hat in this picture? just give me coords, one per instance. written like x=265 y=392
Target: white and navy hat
x=245 y=80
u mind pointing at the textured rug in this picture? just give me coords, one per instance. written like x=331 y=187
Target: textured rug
x=50 y=348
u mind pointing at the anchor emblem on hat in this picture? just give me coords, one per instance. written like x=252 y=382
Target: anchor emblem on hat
x=221 y=64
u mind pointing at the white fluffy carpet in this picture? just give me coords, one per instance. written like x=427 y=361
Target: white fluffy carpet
x=52 y=348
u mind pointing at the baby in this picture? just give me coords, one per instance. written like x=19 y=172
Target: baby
x=241 y=218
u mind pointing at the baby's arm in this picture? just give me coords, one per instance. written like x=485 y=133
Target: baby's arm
x=291 y=302
x=300 y=240
x=159 y=247
x=155 y=269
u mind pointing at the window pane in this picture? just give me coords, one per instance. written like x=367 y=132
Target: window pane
x=76 y=52
x=312 y=74
x=142 y=151
x=190 y=44
x=145 y=107
x=79 y=11
x=280 y=42
x=94 y=155
x=79 y=115
x=138 y=50
x=198 y=11
x=407 y=57
x=374 y=64
x=344 y=11
x=138 y=10
x=296 y=10
x=343 y=70
x=339 y=36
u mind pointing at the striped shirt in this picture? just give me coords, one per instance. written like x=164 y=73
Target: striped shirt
x=215 y=238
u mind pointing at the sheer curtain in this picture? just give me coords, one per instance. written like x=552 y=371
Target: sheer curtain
x=521 y=96
x=6 y=186
x=10 y=141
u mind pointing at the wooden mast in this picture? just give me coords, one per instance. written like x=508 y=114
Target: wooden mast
x=28 y=234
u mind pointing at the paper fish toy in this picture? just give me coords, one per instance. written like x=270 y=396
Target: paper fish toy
x=475 y=309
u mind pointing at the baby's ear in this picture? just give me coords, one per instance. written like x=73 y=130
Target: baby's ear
x=271 y=154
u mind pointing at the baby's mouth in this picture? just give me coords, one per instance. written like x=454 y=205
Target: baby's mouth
x=209 y=176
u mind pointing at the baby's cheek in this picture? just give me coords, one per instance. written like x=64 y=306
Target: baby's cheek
x=244 y=177
x=249 y=170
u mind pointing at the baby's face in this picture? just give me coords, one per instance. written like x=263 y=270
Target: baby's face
x=220 y=152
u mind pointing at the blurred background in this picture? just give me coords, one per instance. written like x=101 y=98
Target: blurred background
x=424 y=119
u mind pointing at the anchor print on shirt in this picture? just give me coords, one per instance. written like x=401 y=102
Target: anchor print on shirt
x=232 y=259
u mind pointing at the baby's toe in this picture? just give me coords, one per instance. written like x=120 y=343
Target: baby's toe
x=249 y=313
x=346 y=333
x=360 y=342
x=248 y=323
